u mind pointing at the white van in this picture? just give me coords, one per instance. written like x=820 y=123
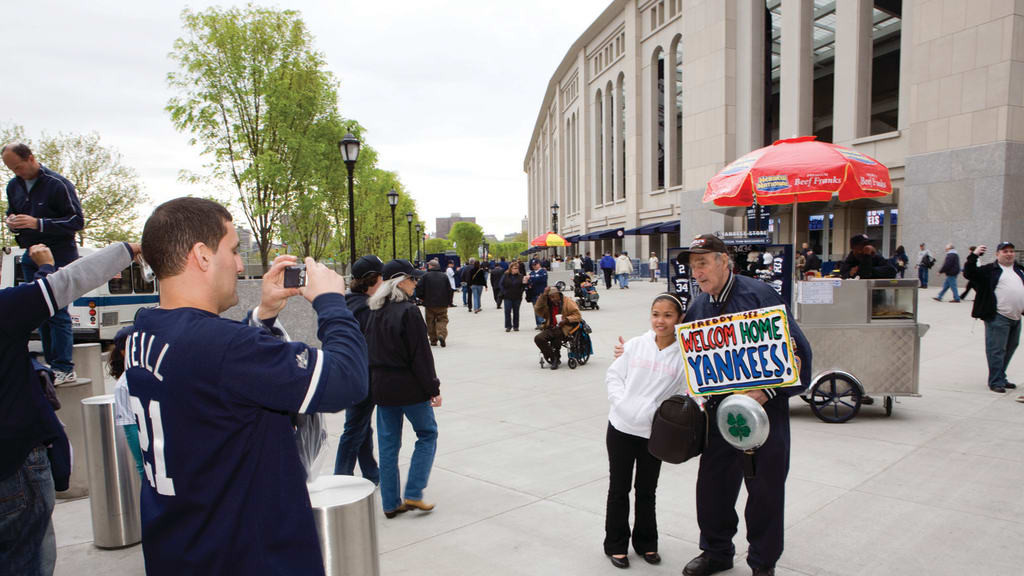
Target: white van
x=98 y=315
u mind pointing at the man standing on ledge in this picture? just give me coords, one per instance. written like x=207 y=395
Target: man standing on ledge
x=43 y=208
x=226 y=491
x=721 y=465
x=999 y=303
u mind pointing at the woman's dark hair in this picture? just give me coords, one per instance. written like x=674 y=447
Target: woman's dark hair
x=178 y=225
x=116 y=361
x=362 y=285
x=672 y=298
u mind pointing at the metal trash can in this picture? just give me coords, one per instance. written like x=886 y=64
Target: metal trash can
x=344 y=508
x=114 y=482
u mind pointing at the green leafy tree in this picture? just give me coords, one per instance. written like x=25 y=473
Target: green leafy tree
x=519 y=237
x=108 y=190
x=255 y=95
x=467 y=237
x=508 y=250
x=437 y=245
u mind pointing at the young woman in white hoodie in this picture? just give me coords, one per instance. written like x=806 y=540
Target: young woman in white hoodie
x=646 y=374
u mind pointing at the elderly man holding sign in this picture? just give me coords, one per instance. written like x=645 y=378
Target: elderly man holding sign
x=746 y=345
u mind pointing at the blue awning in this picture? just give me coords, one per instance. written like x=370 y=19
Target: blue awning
x=602 y=234
x=645 y=230
x=572 y=239
x=672 y=226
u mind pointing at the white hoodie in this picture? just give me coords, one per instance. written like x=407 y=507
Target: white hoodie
x=639 y=381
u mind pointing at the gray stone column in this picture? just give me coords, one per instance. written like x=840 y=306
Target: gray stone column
x=797 y=69
x=749 y=77
x=851 y=115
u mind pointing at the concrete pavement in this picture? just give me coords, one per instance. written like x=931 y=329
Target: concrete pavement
x=521 y=472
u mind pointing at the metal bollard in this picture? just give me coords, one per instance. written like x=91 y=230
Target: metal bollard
x=89 y=364
x=114 y=482
x=345 y=513
x=71 y=396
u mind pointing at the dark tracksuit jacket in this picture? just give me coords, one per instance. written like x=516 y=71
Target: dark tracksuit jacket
x=54 y=201
x=721 y=467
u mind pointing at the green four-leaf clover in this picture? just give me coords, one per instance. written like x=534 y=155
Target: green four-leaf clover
x=738 y=426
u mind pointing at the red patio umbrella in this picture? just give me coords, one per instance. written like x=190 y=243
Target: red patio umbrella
x=798 y=170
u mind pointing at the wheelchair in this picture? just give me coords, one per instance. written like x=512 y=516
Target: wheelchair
x=577 y=345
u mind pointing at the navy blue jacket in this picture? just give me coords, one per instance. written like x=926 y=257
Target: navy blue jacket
x=750 y=294
x=54 y=201
x=607 y=262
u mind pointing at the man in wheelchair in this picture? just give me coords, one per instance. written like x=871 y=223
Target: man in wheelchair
x=561 y=316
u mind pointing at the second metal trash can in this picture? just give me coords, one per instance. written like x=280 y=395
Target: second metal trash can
x=113 y=479
x=345 y=513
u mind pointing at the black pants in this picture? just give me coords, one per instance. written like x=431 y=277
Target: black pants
x=607 y=278
x=623 y=451
x=549 y=340
x=512 y=313
x=718 y=485
x=970 y=286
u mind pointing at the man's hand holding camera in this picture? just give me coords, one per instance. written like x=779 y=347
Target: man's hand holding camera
x=319 y=279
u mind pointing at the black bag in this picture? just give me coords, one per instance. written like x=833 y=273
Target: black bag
x=928 y=261
x=679 y=430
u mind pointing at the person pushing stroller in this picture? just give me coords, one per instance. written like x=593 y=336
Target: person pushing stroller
x=585 y=291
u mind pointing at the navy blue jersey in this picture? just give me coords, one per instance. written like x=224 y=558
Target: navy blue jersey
x=226 y=491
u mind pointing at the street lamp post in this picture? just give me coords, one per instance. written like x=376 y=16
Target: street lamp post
x=408 y=218
x=423 y=237
x=419 y=255
x=349 y=146
x=393 y=202
x=554 y=220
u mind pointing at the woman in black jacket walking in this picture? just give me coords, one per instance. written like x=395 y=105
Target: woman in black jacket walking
x=405 y=385
x=512 y=286
x=496 y=273
x=477 y=284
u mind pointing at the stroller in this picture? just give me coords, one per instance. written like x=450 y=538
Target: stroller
x=585 y=292
x=578 y=346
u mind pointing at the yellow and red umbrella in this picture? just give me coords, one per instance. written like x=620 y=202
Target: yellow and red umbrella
x=550 y=239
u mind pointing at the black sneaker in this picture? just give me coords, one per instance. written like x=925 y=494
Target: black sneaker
x=997 y=389
x=441 y=340
x=1010 y=386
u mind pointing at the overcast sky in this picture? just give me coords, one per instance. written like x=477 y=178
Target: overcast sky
x=448 y=90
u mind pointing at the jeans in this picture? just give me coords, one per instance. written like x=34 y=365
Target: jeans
x=625 y=450
x=623 y=280
x=27 y=543
x=465 y=296
x=922 y=275
x=1001 y=338
x=477 y=291
x=55 y=333
x=356 y=442
x=950 y=284
x=512 y=313
x=389 y=435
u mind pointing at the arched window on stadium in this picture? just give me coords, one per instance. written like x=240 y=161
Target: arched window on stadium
x=620 y=131
x=599 y=149
x=609 y=151
x=658 y=119
x=574 y=164
x=676 y=169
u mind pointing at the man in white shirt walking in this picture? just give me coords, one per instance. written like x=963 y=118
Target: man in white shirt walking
x=999 y=303
x=653 y=264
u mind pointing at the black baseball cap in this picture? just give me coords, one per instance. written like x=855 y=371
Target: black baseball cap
x=366 y=265
x=860 y=240
x=707 y=243
x=400 y=267
x=1005 y=244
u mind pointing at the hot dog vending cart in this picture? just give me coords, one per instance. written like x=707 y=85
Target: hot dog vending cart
x=866 y=340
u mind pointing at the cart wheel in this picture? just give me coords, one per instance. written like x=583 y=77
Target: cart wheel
x=560 y=285
x=541 y=361
x=888 y=402
x=573 y=363
x=597 y=306
x=835 y=399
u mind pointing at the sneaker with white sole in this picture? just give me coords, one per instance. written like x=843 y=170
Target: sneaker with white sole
x=64 y=377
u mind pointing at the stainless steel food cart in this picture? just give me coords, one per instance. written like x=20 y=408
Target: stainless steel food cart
x=865 y=340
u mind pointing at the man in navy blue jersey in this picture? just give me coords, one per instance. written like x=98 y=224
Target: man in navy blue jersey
x=30 y=432
x=225 y=490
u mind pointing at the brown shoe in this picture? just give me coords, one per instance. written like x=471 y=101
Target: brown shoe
x=419 y=505
x=392 y=513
